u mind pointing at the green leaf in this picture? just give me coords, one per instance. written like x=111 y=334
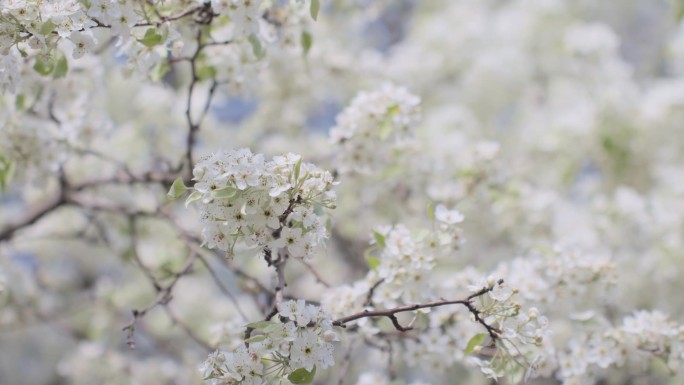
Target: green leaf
x=431 y=211
x=259 y=324
x=160 y=70
x=20 y=101
x=258 y=338
x=177 y=189
x=475 y=341
x=61 y=68
x=273 y=328
x=302 y=376
x=151 y=38
x=373 y=262
x=379 y=239
x=224 y=193
x=297 y=168
x=43 y=66
x=7 y=168
x=47 y=27
x=315 y=7
x=307 y=41
x=678 y=9
x=206 y=72
x=195 y=196
x=256 y=46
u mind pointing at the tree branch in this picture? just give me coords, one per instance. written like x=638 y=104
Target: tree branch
x=391 y=313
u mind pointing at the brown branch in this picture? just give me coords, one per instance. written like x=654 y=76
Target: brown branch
x=193 y=127
x=32 y=218
x=371 y=291
x=35 y=216
x=391 y=313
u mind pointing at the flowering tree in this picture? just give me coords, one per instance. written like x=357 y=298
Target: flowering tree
x=280 y=192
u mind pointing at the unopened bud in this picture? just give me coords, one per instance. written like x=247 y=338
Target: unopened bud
x=330 y=336
x=533 y=313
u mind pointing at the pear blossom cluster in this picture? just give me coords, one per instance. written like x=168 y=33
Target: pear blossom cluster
x=38 y=28
x=407 y=258
x=298 y=343
x=262 y=205
x=642 y=336
x=402 y=269
x=403 y=274
x=375 y=125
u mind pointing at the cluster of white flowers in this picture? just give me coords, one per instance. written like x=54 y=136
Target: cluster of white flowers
x=451 y=339
x=522 y=334
x=404 y=264
x=263 y=205
x=403 y=275
x=642 y=336
x=38 y=26
x=375 y=126
x=296 y=346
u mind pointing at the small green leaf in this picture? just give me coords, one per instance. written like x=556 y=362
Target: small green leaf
x=6 y=172
x=23 y=53
x=273 y=328
x=302 y=376
x=315 y=7
x=195 y=196
x=373 y=262
x=206 y=72
x=20 y=101
x=256 y=46
x=47 y=27
x=475 y=341
x=258 y=338
x=61 y=68
x=307 y=41
x=678 y=9
x=259 y=324
x=43 y=66
x=151 y=38
x=224 y=193
x=160 y=70
x=379 y=239
x=177 y=189
x=431 y=211
x=297 y=168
